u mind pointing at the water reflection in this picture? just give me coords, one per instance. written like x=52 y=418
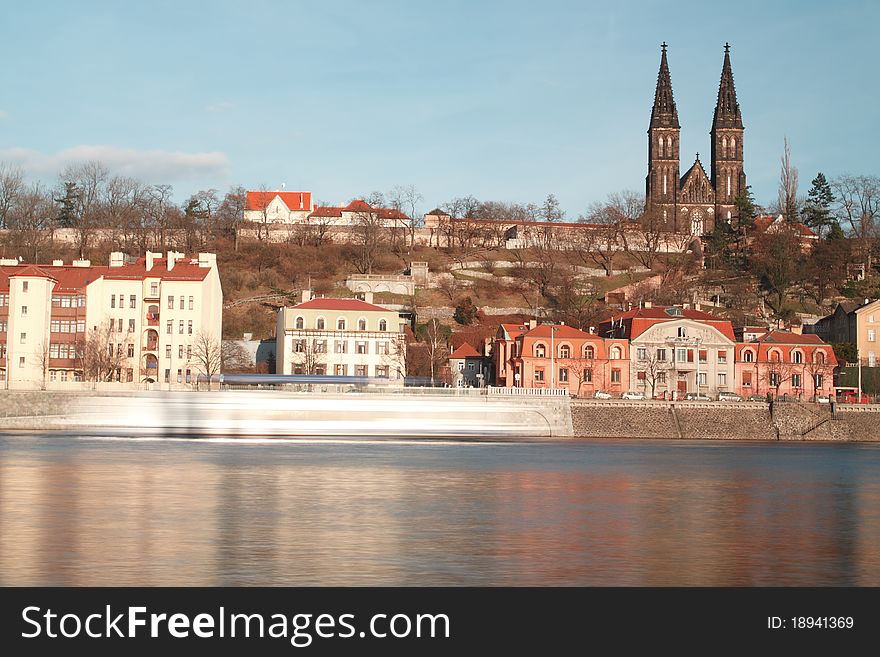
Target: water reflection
x=99 y=512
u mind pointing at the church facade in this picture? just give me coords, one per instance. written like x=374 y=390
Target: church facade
x=693 y=202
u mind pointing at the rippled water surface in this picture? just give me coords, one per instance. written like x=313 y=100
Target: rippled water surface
x=79 y=511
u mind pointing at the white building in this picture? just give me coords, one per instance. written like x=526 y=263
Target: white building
x=340 y=337
x=152 y=311
x=278 y=207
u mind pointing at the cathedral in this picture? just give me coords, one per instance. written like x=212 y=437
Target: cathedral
x=692 y=203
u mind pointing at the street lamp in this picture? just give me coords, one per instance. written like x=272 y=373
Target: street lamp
x=552 y=358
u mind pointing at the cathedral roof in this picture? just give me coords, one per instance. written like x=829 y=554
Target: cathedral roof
x=727 y=114
x=695 y=170
x=664 y=114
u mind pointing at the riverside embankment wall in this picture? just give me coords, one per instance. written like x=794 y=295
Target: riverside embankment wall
x=724 y=420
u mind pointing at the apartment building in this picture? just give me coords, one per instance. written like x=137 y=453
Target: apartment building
x=340 y=337
x=147 y=316
x=784 y=363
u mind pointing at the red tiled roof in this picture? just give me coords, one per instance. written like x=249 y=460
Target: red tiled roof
x=293 y=200
x=326 y=211
x=639 y=320
x=32 y=271
x=562 y=331
x=340 y=304
x=464 y=351
x=358 y=206
x=764 y=221
x=659 y=312
x=787 y=337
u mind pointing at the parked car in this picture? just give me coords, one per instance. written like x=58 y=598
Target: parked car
x=853 y=398
x=729 y=396
x=760 y=398
x=823 y=399
x=633 y=395
x=697 y=396
x=601 y=394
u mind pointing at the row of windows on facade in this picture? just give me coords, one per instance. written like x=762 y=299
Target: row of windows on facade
x=341 y=324
x=117 y=326
x=681 y=355
x=341 y=347
x=379 y=371
x=184 y=304
x=585 y=377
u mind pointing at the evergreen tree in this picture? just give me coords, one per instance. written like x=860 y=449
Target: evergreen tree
x=67 y=214
x=817 y=210
x=746 y=210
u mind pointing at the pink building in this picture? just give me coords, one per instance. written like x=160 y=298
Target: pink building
x=784 y=363
x=555 y=355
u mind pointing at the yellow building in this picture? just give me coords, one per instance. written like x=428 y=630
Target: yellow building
x=154 y=316
x=340 y=337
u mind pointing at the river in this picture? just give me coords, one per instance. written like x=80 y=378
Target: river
x=112 y=512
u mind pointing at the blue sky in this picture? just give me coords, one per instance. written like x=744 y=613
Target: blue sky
x=502 y=100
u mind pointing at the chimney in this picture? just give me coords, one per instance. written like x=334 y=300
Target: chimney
x=207 y=260
x=306 y=296
x=151 y=257
x=247 y=337
x=696 y=306
x=532 y=323
x=82 y=263
x=368 y=297
x=647 y=304
x=173 y=257
x=8 y=262
x=116 y=259
x=57 y=263
x=592 y=329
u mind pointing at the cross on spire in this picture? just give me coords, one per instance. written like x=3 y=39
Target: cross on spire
x=663 y=46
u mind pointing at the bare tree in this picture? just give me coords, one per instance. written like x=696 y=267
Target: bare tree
x=654 y=368
x=307 y=356
x=788 y=184
x=435 y=336
x=857 y=207
x=101 y=360
x=41 y=359
x=778 y=372
x=366 y=240
x=235 y=358
x=230 y=213
x=87 y=181
x=405 y=200
x=581 y=369
x=207 y=352
x=28 y=220
x=11 y=186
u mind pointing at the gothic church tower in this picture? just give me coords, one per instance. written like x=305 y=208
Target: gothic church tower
x=692 y=203
x=661 y=191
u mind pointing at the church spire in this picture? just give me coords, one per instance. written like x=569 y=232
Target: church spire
x=664 y=114
x=727 y=114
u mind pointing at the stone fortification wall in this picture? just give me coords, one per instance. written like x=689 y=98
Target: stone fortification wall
x=725 y=421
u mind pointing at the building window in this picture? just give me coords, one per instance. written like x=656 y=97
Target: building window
x=169 y=327
x=563 y=374
x=132 y=301
x=189 y=376
x=319 y=324
x=24 y=286
x=702 y=379
x=722 y=357
x=340 y=346
x=795 y=380
x=704 y=356
x=748 y=356
x=361 y=347
x=564 y=351
x=641 y=353
x=129 y=375
x=110 y=350
x=300 y=323
x=131 y=326
x=871 y=319
x=52 y=375
x=360 y=370
x=181 y=301
x=818 y=381
x=21 y=358
x=722 y=378
x=540 y=350
x=362 y=324
x=24 y=311
x=167 y=376
x=4 y=299
x=682 y=332
x=872 y=335
x=661 y=377
x=539 y=376
x=615 y=353
x=189 y=327
x=180 y=327
x=170 y=302
x=588 y=376
x=23 y=339
x=382 y=371
x=154 y=290
x=461 y=366
x=167 y=351
x=119 y=324
x=774 y=379
x=180 y=351
x=589 y=352
x=340 y=324
x=299 y=346
x=872 y=359
x=112 y=300
x=340 y=370
x=747 y=379
x=383 y=326
x=797 y=357
x=680 y=355
x=320 y=370
x=661 y=355
x=180 y=376
x=615 y=376
x=320 y=346
x=192 y=303
x=382 y=348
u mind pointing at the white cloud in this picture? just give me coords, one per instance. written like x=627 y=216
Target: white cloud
x=153 y=166
x=222 y=106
